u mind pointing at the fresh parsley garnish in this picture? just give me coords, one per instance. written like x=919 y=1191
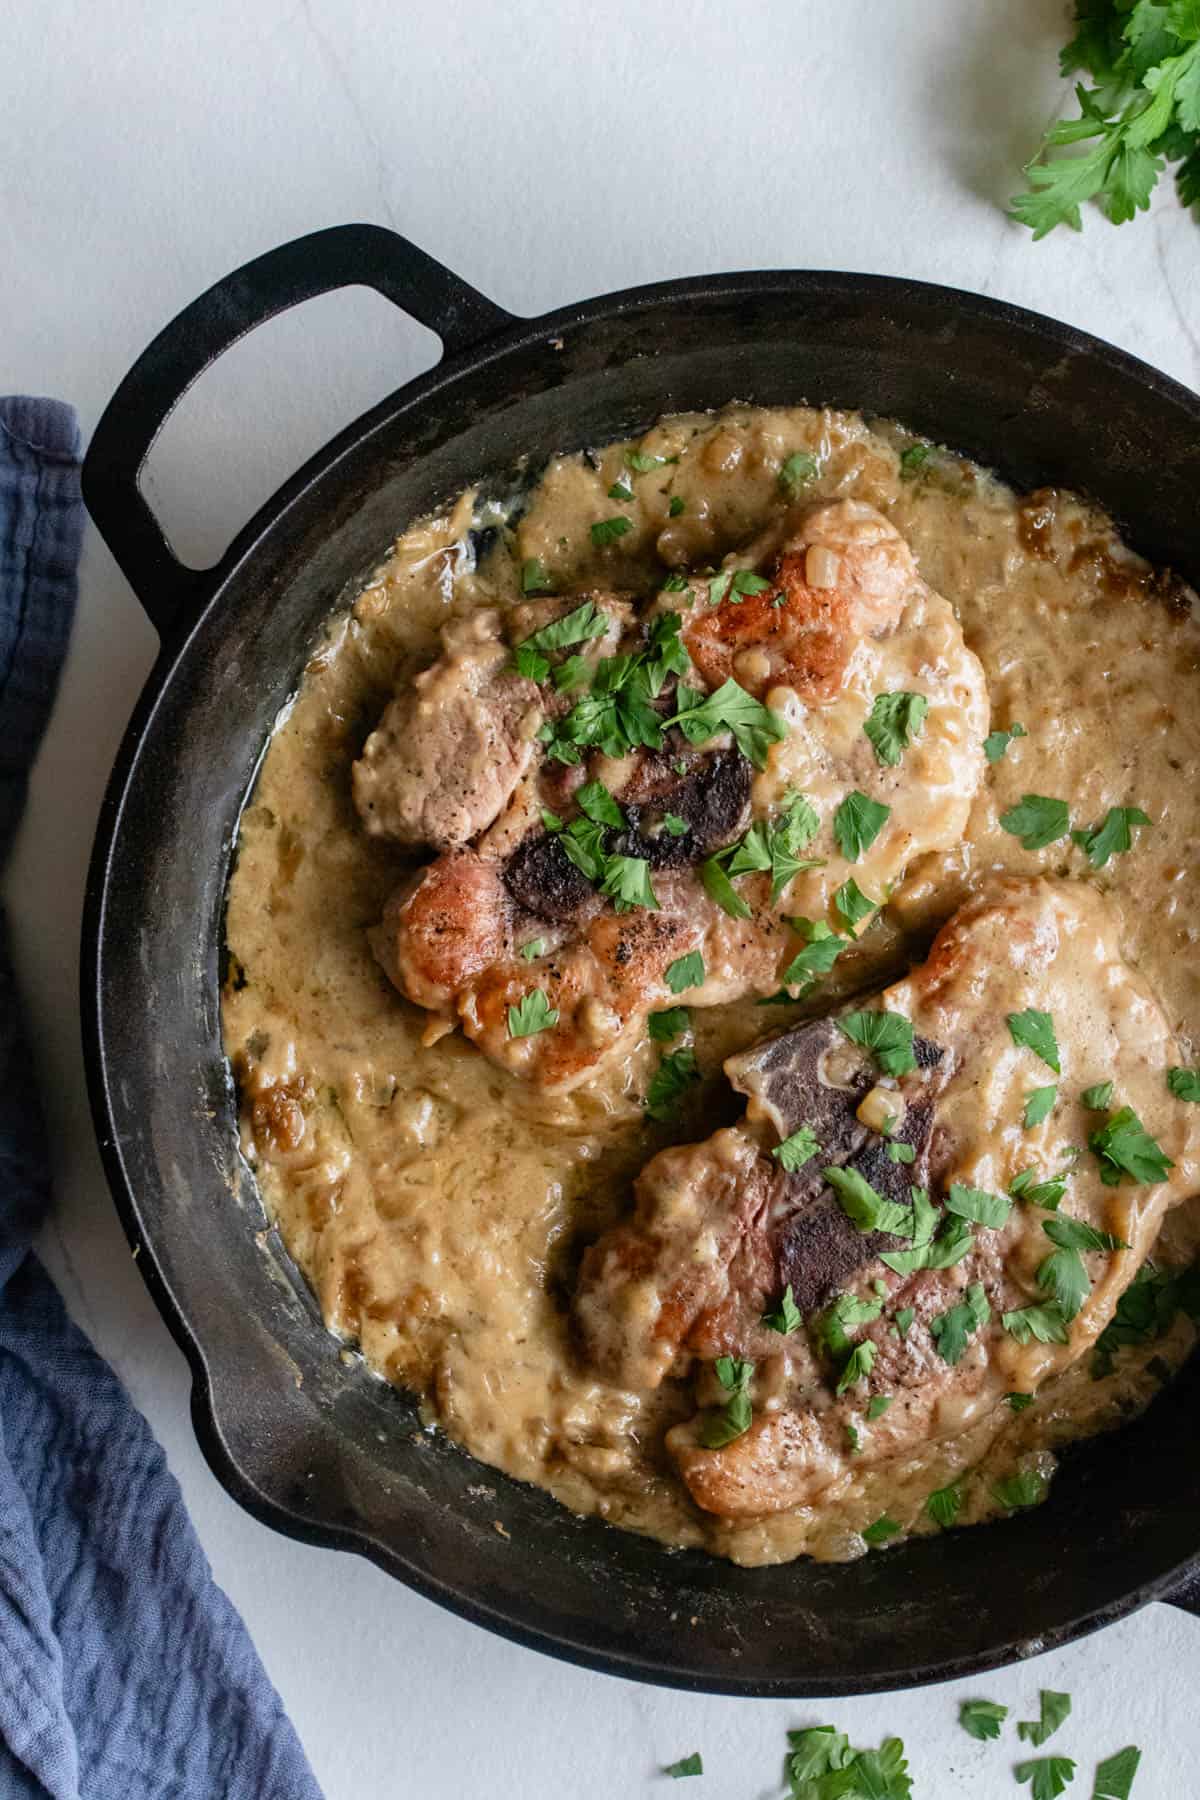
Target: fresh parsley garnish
x=945 y=1504
x=627 y=883
x=685 y=972
x=1124 y=1147
x=1034 y=1030
x=1024 y=1489
x=913 y=460
x=754 y=726
x=904 y=1319
x=881 y=1531
x=785 y=1318
x=1113 y=836
x=1145 y=1311
x=672 y=1022
x=583 y=844
x=721 y=1428
x=1063 y=1274
x=1048 y=1193
x=674 y=826
x=533 y=949
x=798 y=469
x=820 y=952
x=877 y=1406
x=534 y=577
x=949 y=1247
x=641 y=462
x=675 y=506
x=894 y=721
x=1114 y=1776
x=1098 y=1098
x=579 y=626
x=607 y=531
x=853 y=1438
x=996 y=742
x=952 y=1330
x=798 y=1148
x=550 y=820
x=1045 y=1324
x=1077 y=1234
x=901 y=1153
x=772 y=844
x=822 y=1765
x=1039 y=1104
x=853 y=904
x=531 y=1014
x=720 y=889
x=866 y=1209
x=978 y=1205
x=858 y=1366
x=1037 y=821
x=671 y=1080
x=1050 y=1776
x=1018 y=1402
x=982 y=1719
x=1055 y=1709
x=595 y=800
x=687 y=1765
x=857 y=823
x=846 y=1314
x=735 y=585
x=620 y=490
x=1183 y=1083
x=887 y=1035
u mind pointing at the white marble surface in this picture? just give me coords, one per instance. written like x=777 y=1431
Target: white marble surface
x=547 y=153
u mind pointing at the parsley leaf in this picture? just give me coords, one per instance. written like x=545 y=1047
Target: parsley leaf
x=1183 y=1083
x=1018 y=1402
x=846 y=1314
x=1033 y=1030
x=982 y=1719
x=853 y=904
x=996 y=742
x=674 y=826
x=1077 y=1234
x=901 y=1153
x=1024 y=1489
x=685 y=972
x=800 y=467
x=894 y=721
x=786 y=1317
x=858 y=1366
x=1064 y=1277
x=721 y=1428
x=796 y=1149
x=913 y=460
x=533 y=949
x=818 y=955
x=577 y=627
x=977 y=1204
x=952 y=1330
x=1039 y=1104
x=953 y=1242
x=1045 y=1324
x=583 y=844
x=904 y=1319
x=944 y=1506
x=534 y=577
x=754 y=726
x=1047 y=1193
x=881 y=1531
x=1114 y=1776
x=607 y=531
x=1113 y=836
x=596 y=801
x=866 y=1209
x=1055 y=1709
x=550 y=820
x=641 y=463
x=1037 y=821
x=819 y=1750
x=627 y=883
x=1125 y=1147
x=888 y=1035
x=676 y=506
x=671 y=1023
x=532 y=1014
x=672 y=1078
x=735 y=584
x=857 y=823
x=1049 y=1775
x=1098 y=1098
x=620 y=490
x=719 y=888
x=878 y=1405
x=687 y=1765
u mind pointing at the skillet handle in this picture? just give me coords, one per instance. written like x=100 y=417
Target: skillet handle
x=342 y=256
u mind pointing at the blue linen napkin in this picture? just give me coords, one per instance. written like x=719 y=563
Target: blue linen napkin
x=125 y=1672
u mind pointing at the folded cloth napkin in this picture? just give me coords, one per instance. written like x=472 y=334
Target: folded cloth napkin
x=125 y=1673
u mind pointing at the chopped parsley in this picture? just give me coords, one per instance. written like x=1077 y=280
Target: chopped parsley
x=798 y=1148
x=735 y=585
x=1183 y=1083
x=820 y=952
x=996 y=742
x=607 y=531
x=982 y=1719
x=949 y=1247
x=953 y=1330
x=595 y=800
x=1024 y=1489
x=721 y=1428
x=978 y=1205
x=535 y=578
x=857 y=823
x=533 y=949
x=1018 y=1402
x=901 y=1153
x=774 y=845
x=627 y=883
x=1055 y=1709
x=882 y=1529
x=583 y=844
x=1045 y=1324
x=1124 y=1147
x=904 y=1319
x=1077 y=1234
x=1114 y=1776
x=1098 y=1098
x=1145 y=1311
x=532 y=1014
x=676 y=584
x=853 y=904
x=1113 y=836
x=799 y=468
x=1065 y=1279
x=786 y=1316
x=620 y=490
x=1049 y=1775
x=674 y=826
x=846 y=1314
x=720 y=889
x=671 y=1080
x=687 y=1765
x=675 y=506
x=550 y=820
x=822 y=1763
x=866 y=1209
x=616 y=715
x=945 y=1504
x=685 y=972
x=887 y=1035
x=671 y=1023
x=1034 y=1030
x=878 y=1405
x=579 y=626
x=913 y=460
x=894 y=721
x=754 y=726
x=641 y=463
x=858 y=1366
x=1037 y=821
x=1039 y=1104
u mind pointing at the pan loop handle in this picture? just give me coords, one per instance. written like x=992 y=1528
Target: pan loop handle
x=342 y=256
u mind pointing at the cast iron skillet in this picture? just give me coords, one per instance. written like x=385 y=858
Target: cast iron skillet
x=321 y=1450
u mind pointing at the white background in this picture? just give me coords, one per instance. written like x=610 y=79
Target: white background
x=547 y=152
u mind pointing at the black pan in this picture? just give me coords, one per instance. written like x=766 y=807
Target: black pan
x=318 y=1449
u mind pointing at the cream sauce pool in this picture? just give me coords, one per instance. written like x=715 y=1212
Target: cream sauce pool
x=438 y=1206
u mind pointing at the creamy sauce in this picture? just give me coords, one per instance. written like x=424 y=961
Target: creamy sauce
x=438 y=1205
